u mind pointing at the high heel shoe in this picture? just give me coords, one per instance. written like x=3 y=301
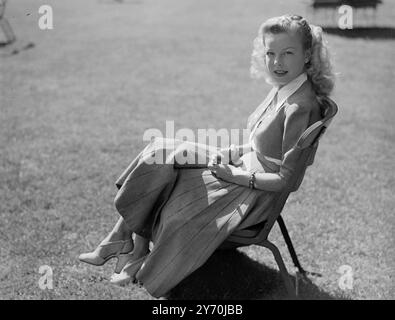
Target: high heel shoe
x=128 y=272
x=123 y=259
x=106 y=251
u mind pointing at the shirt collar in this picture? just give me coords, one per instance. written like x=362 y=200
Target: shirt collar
x=289 y=89
x=283 y=94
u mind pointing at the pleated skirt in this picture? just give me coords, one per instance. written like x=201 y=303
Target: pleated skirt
x=186 y=212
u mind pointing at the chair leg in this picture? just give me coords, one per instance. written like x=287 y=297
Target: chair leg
x=290 y=246
x=281 y=265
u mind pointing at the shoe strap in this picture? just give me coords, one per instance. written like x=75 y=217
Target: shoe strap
x=114 y=243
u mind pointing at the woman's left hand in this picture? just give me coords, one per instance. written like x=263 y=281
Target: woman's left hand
x=225 y=172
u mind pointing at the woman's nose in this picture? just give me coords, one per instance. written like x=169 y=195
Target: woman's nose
x=278 y=61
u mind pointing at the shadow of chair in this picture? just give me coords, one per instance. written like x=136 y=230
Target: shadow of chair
x=232 y=275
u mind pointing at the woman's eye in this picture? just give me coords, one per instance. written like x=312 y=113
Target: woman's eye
x=269 y=53
x=289 y=52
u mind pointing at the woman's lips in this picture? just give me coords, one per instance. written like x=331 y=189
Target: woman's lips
x=280 y=73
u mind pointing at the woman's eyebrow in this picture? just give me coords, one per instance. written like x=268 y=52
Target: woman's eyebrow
x=281 y=49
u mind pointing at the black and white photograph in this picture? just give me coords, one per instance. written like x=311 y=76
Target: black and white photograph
x=182 y=150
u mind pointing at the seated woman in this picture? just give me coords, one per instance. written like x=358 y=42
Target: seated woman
x=188 y=213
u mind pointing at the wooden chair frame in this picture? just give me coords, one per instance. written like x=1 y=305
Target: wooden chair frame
x=258 y=234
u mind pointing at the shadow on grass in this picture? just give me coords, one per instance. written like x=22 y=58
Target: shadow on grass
x=232 y=275
x=13 y=49
x=363 y=32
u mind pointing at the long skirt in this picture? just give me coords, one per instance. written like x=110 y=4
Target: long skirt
x=184 y=210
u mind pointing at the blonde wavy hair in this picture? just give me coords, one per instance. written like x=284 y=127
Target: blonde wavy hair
x=318 y=68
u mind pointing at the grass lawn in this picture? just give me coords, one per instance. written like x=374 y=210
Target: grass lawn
x=74 y=107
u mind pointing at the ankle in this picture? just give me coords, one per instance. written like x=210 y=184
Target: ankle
x=117 y=236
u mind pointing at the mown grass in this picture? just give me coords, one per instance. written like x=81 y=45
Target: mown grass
x=74 y=108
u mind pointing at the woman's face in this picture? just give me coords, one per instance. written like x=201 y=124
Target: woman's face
x=284 y=56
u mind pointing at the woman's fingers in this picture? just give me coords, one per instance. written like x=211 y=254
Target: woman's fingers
x=218 y=170
x=211 y=165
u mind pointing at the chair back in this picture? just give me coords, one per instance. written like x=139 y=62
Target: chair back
x=308 y=143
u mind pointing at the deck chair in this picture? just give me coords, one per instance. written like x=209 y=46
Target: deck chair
x=258 y=234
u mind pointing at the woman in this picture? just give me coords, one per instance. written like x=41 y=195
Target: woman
x=188 y=213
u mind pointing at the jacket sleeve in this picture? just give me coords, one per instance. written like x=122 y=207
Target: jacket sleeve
x=297 y=119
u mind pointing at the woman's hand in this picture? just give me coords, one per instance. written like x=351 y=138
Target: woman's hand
x=221 y=156
x=225 y=172
x=227 y=156
x=234 y=155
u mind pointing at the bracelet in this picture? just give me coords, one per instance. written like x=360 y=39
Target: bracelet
x=251 y=181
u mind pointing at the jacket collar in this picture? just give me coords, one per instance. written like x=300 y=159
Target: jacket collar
x=288 y=90
x=283 y=94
